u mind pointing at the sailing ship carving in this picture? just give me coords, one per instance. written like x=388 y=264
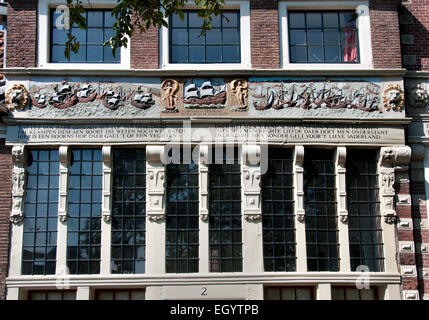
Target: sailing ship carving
x=310 y=95
x=204 y=95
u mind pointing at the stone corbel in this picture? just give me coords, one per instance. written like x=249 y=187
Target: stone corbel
x=204 y=171
x=251 y=182
x=18 y=184
x=155 y=182
x=107 y=181
x=64 y=158
x=391 y=159
x=298 y=165
x=340 y=161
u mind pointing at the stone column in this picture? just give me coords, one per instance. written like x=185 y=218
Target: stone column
x=155 y=210
x=343 y=229
x=301 y=241
x=64 y=158
x=17 y=213
x=251 y=207
x=106 y=226
x=204 y=266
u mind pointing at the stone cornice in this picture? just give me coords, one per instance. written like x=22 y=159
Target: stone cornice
x=26 y=72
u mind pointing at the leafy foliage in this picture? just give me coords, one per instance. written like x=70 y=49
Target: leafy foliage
x=139 y=14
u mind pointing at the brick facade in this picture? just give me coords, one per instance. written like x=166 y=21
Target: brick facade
x=5 y=205
x=414 y=23
x=385 y=37
x=144 y=49
x=22 y=33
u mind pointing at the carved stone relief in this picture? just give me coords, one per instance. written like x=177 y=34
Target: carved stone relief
x=18 y=184
x=169 y=96
x=155 y=181
x=417 y=97
x=17 y=97
x=393 y=98
x=251 y=182
x=204 y=93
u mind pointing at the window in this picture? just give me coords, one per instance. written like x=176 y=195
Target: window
x=128 y=211
x=323 y=37
x=219 y=45
x=225 y=242
x=119 y=294
x=289 y=293
x=320 y=210
x=41 y=213
x=182 y=211
x=277 y=212
x=91 y=50
x=364 y=219
x=52 y=295
x=352 y=293
x=84 y=208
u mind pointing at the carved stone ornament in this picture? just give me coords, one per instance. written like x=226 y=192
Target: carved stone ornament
x=63 y=218
x=393 y=98
x=253 y=217
x=113 y=99
x=64 y=96
x=390 y=218
x=300 y=217
x=387 y=181
x=239 y=88
x=107 y=218
x=16 y=219
x=18 y=184
x=418 y=97
x=344 y=218
x=142 y=99
x=170 y=88
x=204 y=217
x=156 y=217
x=204 y=94
x=17 y=97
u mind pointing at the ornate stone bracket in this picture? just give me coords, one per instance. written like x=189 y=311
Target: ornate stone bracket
x=107 y=181
x=340 y=160
x=155 y=182
x=64 y=157
x=204 y=171
x=251 y=182
x=391 y=158
x=299 y=183
x=18 y=184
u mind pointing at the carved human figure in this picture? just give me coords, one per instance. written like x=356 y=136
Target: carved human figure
x=239 y=89
x=18 y=178
x=170 y=87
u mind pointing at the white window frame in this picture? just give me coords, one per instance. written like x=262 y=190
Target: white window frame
x=362 y=24
x=244 y=7
x=44 y=45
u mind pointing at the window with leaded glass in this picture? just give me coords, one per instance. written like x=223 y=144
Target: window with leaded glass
x=320 y=210
x=364 y=218
x=182 y=212
x=323 y=37
x=120 y=294
x=52 y=295
x=289 y=293
x=225 y=239
x=352 y=293
x=41 y=213
x=91 y=50
x=277 y=212
x=84 y=211
x=221 y=44
x=128 y=211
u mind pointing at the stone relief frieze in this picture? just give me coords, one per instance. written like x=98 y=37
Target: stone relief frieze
x=204 y=93
x=17 y=97
x=169 y=88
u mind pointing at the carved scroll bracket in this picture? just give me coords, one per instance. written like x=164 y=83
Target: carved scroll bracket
x=391 y=159
x=155 y=182
x=251 y=182
x=107 y=182
x=18 y=184
x=64 y=157
x=340 y=161
x=204 y=171
x=298 y=166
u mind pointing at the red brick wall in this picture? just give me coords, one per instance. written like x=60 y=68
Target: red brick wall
x=264 y=34
x=414 y=18
x=144 y=49
x=5 y=206
x=22 y=33
x=385 y=37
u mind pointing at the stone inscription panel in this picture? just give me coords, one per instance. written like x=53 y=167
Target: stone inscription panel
x=101 y=134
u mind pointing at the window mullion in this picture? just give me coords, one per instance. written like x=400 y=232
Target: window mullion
x=106 y=207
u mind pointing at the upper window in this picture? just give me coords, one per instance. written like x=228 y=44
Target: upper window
x=91 y=50
x=219 y=45
x=323 y=37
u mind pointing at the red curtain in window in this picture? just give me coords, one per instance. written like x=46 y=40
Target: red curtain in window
x=350 y=51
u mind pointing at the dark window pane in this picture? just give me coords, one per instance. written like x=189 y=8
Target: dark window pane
x=332 y=54
x=315 y=54
x=296 y=20
x=298 y=54
x=95 y=36
x=179 y=54
x=231 y=54
x=314 y=20
x=196 y=54
x=179 y=36
x=95 y=19
x=298 y=37
x=95 y=54
x=330 y=20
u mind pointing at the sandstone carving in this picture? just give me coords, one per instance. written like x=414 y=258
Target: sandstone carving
x=393 y=98
x=169 y=89
x=17 y=97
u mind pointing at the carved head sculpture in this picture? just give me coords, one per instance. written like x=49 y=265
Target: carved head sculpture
x=393 y=98
x=17 y=97
x=419 y=97
x=18 y=154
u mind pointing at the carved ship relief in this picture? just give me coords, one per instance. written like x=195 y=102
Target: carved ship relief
x=205 y=96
